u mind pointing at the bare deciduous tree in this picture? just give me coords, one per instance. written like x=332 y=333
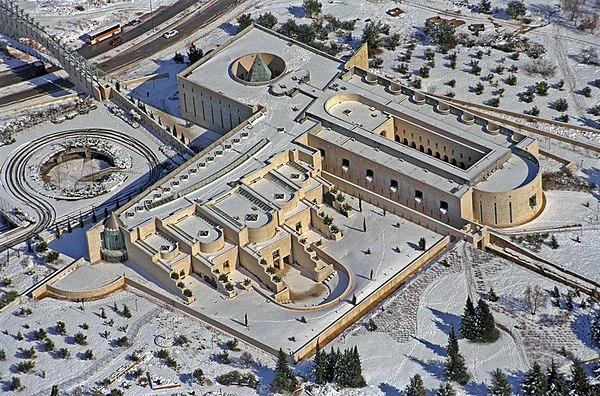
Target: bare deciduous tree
x=534 y=298
x=572 y=7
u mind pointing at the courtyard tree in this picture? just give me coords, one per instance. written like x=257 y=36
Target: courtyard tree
x=486 y=325
x=61 y=328
x=456 y=368
x=371 y=35
x=246 y=359
x=415 y=387
x=516 y=9
x=267 y=20
x=312 y=8
x=244 y=21
x=534 y=298
x=534 y=383
x=499 y=385
x=198 y=375
x=15 y=384
x=126 y=311
x=284 y=380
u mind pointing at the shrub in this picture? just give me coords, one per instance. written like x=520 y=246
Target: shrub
x=223 y=278
x=417 y=83
x=561 y=105
x=25 y=367
x=198 y=375
x=541 y=88
x=534 y=111
x=80 y=338
x=478 y=89
x=28 y=353
x=232 y=345
x=181 y=340
x=541 y=66
x=494 y=102
x=162 y=354
x=586 y=91
x=122 y=341
x=178 y=58
x=180 y=285
x=85 y=326
x=229 y=286
x=126 y=312
x=61 y=328
x=528 y=96
x=40 y=334
x=15 y=383
x=451 y=83
x=174 y=275
x=2 y=355
x=595 y=110
x=52 y=256
x=563 y=118
x=267 y=20
x=188 y=293
x=42 y=247
x=424 y=72
x=64 y=353
x=516 y=9
x=422 y=243
x=224 y=357
x=371 y=326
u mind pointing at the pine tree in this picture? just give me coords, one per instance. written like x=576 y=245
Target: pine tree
x=500 y=385
x=485 y=325
x=320 y=366
x=415 y=387
x=579 y=385
x=284 y=380
x=557 y=384
x=468 y=321
x=595 y=329
x=356 y=377
x=456 y=369
x=194 y=54
x=445 y=390
x=534 y=383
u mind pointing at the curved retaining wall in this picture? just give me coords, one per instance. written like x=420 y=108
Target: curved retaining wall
x=61 y=294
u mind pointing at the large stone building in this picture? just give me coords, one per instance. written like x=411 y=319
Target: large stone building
x=297 y=123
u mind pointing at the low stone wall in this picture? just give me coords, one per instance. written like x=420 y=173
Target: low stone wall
x=39 y=291
x=61 y=294
x=366 y=304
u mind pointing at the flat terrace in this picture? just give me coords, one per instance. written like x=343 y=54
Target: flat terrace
x=217 y=65
x=373 y=105
x=196 y=228
x=273 y=189
x=243 y=208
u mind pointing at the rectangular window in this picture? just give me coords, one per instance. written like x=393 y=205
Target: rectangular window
x=443 y=207
x=418 y=196
x=510 y=212
x=495 y=213
x=533 y=201
x=322 y=153
x=345 y=164
x=394 y=185
x=369 y=175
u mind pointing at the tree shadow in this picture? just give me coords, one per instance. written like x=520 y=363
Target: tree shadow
x=437 y=349
x=297 y=11
x=229 y=28
x=433 y=367
x=446 y=321
x=513 y=303
x=581 y=327
x=592 y=175
x=390 y=390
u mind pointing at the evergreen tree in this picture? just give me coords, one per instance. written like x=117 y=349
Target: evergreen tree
x=485 y=6
x=445 y=390
x=500 y=385
x=244 y=21
x=320 y=366
x=456 y=369
x=595 y=329
x=468 y=321
x=534 y=383
x=485 y=326
x=267 y=20
x=194 y=54
x=311 y=8
x=284 y=380
x=54 y=391
x=579 y=385
x=516 y=9
x=415 y=387
x=557 y=383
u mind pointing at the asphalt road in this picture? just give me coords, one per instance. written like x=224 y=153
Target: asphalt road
x=139 y=52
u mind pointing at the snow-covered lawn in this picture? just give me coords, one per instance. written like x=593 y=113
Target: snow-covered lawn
x=150 y=327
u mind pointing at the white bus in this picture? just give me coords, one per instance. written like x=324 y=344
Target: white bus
x=103 y=32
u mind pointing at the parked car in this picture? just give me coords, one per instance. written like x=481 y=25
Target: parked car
x=170 y=34
x=116 y=41
x=134 y=22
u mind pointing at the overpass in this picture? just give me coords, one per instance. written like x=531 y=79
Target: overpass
x=16 y=23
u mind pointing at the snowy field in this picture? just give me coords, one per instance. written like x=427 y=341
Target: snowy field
x=150 y=328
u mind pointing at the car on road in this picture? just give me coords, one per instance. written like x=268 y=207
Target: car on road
x=134 y=22
x=170 y=34
x=116 y=41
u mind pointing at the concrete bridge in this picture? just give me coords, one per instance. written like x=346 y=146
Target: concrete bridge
x=16 y=23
